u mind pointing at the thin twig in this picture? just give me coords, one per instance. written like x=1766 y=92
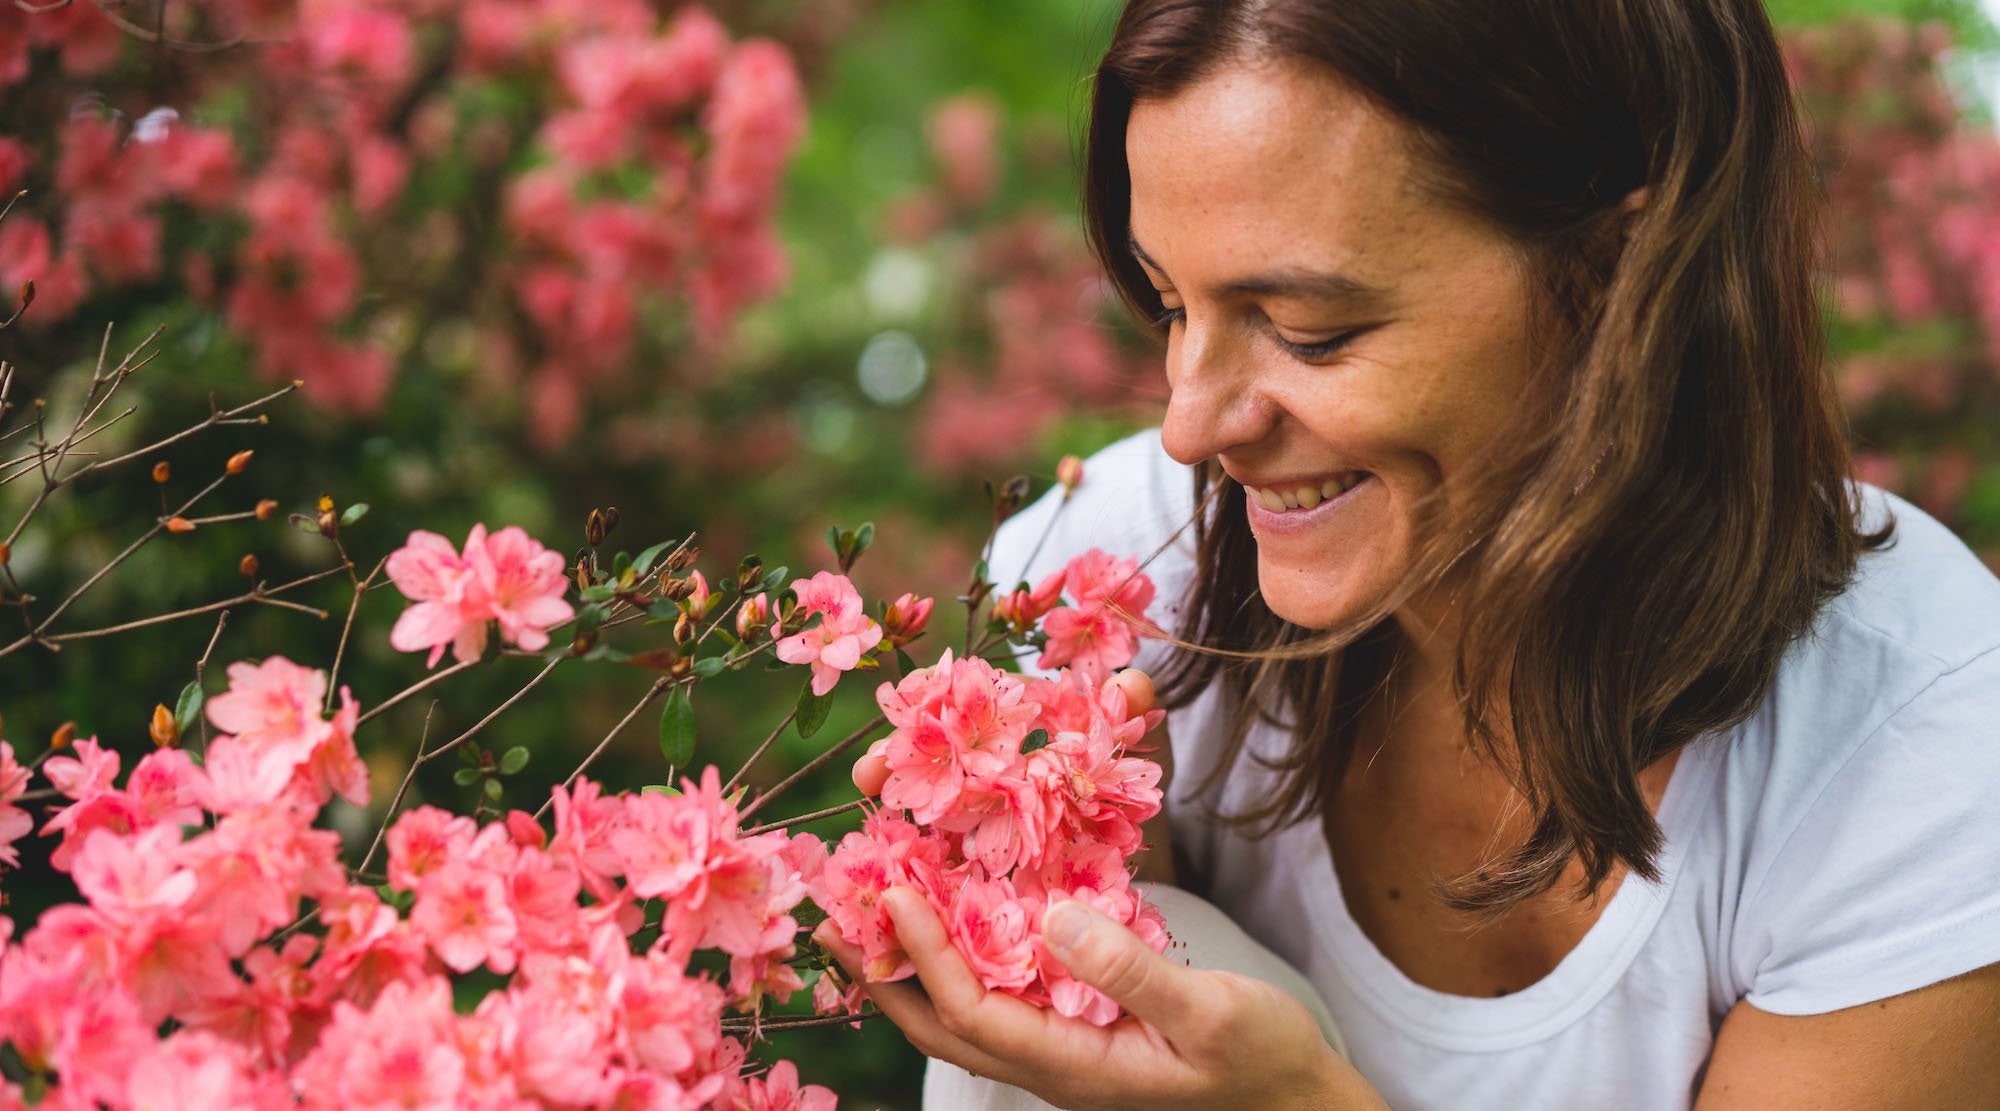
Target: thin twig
x=497 y=711
x=812 y=817
x=746 y=1026
x=347 y=630
x=761 y=749
x=652 y=692
x=396 y=803
x=815 y=764
x=433 y=677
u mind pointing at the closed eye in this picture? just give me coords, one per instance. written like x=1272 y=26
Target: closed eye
x=1315 y=352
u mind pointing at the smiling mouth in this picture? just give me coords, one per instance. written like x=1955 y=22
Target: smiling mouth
x=1281 y=499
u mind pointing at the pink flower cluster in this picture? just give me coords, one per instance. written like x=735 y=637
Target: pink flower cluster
x=1002 y=796
x=657 y=143
x=182 y=978
x=844 y=634
x=1099 y=631
x=507 y=577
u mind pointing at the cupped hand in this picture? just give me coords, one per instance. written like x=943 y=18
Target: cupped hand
x=1192 y=1038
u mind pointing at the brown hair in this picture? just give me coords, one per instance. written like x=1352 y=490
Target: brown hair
x=1680 y=503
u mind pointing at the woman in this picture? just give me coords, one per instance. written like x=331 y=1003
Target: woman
x=1558 y=708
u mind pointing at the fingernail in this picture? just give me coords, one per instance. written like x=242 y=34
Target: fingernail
x=1064 y=925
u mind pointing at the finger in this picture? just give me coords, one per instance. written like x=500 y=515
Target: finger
x=1113 y=959
x=1138 y=687
x=870 y=773
x=913 y=1013
x=993 y=1021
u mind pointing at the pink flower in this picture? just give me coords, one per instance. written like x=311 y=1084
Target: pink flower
x=844 y=633
x=906 y=618
x=401 y=1052
x=1100 y=633
x=14 y=821
x=995 y=932
x=87 y=774
x=779 y=1090
x=463 y=913
x=508 y=578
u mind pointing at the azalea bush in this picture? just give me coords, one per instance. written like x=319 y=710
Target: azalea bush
x=225 y=946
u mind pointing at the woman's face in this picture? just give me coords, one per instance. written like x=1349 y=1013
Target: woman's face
x=1344 y=343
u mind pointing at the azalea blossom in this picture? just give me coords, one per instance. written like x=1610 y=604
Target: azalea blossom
x=506 y=578
x=844 y=633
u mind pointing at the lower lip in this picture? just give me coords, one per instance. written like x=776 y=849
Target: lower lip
x=1295 y=521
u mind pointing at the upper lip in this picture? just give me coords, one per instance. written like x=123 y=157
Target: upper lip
x=1315 y=478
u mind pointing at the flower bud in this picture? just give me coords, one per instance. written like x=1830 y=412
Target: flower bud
x=749 y=573
x=906 y=618
x=525 y=831
x=683 y=559
x=247 y=566
x=700 y=600
x=683 y=630
x=162 y=472
x=179 y=524
x=1011 y=496
x=751 y=617
x=238 y=462
x=329 y=525
x=6 y=552
x=165 y=733
x=266 y=508
x=1069 y=472
x=64 y=734
x=595 y=528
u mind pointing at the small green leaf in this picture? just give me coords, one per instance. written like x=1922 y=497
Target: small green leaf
x=775 y=580
x=677 y=728
x=607 y=654
x=904 y=661
x=643 y=562
x=834 y=538
x=354 y=513
x=304 y=524
x=493 y=789
x=1038 y=739
x=666 y=609
x=864 y=536
x=708 y=667
x=812 y=710
x=659 y=789
x=601 y=592
x=187 y=711
x=514 y=761
x=620 y=564
x=465 y=777
x=592 y=616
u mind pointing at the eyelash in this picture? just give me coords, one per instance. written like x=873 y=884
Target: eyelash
x=1305 y=352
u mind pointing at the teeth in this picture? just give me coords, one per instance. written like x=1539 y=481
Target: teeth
x=1304 y=497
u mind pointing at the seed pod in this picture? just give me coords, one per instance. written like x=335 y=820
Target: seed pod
x=238 y=462
x=266 y=508
x=64 y=734
x=165 y=733
x=6 y=552
x=683 y=629
x=179 y=524
x=683 y=559
x=594 y=528
x=162 y=472
x=610 y=518
x=247 y=566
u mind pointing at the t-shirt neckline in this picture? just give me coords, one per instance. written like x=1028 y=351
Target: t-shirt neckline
x=1464 y=1023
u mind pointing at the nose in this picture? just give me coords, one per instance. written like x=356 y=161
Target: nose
x=1213 y=404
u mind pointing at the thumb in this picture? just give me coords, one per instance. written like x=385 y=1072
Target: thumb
x=1113 y=959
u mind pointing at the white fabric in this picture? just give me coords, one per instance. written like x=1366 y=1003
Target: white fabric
x=1840 y=846
x=1204 y=937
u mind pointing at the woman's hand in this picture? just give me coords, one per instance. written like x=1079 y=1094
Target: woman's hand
x=1192 y=1039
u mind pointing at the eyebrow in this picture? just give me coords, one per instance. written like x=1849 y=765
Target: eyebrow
x=1318 y=285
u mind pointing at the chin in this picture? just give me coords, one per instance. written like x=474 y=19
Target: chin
x=1311 y=600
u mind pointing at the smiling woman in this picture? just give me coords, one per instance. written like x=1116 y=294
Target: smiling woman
x=1548 y=692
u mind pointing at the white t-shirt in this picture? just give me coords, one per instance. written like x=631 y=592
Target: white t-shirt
x=1840 y=846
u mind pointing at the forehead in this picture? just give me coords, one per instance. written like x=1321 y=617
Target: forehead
x=1265 y=164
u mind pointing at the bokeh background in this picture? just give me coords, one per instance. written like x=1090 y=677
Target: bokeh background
x=752 y=269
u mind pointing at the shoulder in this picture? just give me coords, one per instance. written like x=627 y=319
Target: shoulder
x=1857 y=800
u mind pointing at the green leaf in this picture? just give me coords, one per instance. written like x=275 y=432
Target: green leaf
x=812 y=710
x=601 y=592
x=620 y=564
x=904 y=661
x=304 y=524
x=659 y=789
x=465 y=777
x=187 y=711
x=644 y=561
x=607 y=654
x=775 y=580
x=677 y=728
x=835 y=539
x=493 y=789
x=708 y=667
x=863 y=537
x=666 y=609
x=354 y=513
x=1038 y=739
x=514 y=761
x=592 y=616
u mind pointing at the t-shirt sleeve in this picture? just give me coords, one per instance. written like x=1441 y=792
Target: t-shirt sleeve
x=1133 y=503
x=1891 y=881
